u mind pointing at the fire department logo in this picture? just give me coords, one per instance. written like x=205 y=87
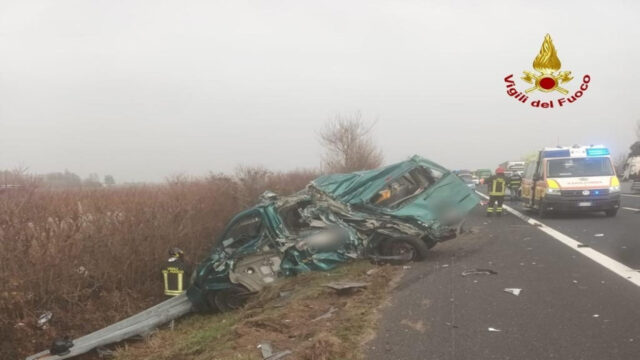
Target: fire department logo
x=547 y=65
x=547 y=77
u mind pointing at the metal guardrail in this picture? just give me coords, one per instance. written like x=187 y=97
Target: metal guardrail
x=139 y=324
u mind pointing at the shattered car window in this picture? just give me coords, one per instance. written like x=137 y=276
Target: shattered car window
x=242 y=232
x=399 y=190
x=292 y=218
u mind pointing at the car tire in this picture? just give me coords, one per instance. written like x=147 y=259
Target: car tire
x=232 y=298
x=611 y=212
x=414 y=249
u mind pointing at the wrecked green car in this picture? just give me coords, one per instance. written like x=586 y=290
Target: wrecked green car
x=394 y=213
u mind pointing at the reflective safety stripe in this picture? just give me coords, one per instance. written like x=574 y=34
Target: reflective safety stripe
x=497 y=187
x=490 y=209
x=499 y=209
x=179 y=274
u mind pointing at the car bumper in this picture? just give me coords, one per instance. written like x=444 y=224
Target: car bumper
x=565 y=203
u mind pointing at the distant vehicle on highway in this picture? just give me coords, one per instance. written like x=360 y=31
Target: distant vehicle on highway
x=511 y=167
x=577 y=178
x=483 y=174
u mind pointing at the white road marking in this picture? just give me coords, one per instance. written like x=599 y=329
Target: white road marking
x=614 y=266
x=628 y=208
x=630 y=195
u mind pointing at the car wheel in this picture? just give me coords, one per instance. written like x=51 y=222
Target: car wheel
x=611 y=212
x=232 y=298
x=407 y=248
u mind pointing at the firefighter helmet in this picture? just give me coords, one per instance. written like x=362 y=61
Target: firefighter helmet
x=176 y=252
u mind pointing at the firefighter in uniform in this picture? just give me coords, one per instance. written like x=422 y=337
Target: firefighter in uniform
x=497 y=185
x=174 y=273
x=515 y=181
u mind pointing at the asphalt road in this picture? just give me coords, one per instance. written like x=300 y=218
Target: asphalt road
x=570 y=307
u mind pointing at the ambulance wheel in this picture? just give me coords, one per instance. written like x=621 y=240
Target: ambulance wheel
x=406 y=247
x=232 y=298
x=611 y=212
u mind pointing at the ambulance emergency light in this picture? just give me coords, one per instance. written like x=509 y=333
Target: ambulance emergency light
x=597 y=152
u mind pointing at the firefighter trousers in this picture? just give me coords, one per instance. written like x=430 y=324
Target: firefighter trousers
x=495 y=204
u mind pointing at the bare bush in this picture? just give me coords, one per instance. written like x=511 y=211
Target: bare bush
x=349 y=145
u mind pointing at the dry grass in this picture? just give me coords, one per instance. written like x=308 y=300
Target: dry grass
x=288 y=325
x=93 y=256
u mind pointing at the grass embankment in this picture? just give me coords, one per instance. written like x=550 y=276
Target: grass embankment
x=294 y=322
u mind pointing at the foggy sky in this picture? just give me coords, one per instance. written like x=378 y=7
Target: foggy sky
x=145 y=89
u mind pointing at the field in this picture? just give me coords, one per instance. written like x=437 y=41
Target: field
x=93 y=256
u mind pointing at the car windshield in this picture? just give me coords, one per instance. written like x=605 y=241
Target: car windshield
x=579 y=167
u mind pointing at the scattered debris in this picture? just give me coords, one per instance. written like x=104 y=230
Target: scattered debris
x=537 y=224
x=346 y=287
x=598 y=235
x=406 y=267
x=453 y=326
x=582 y=245
x=326 y=315
x=43 y=320
x=514 y=291
x=478 y=272
x=596 y=315
x=445 y=265
x=494 y=329
x=265 y=349
x=373 y=271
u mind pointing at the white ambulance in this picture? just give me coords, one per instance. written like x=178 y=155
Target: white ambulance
x=577 y=178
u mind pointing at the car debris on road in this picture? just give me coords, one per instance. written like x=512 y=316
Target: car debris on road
x=514 y=291
x=478 y=272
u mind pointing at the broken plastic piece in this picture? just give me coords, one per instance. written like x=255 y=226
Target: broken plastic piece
x=265 y=349
x=494 y=329
x=598 y=235
x=44 y=319
x=514 y=291
x=479 y=272
x=582 y=245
